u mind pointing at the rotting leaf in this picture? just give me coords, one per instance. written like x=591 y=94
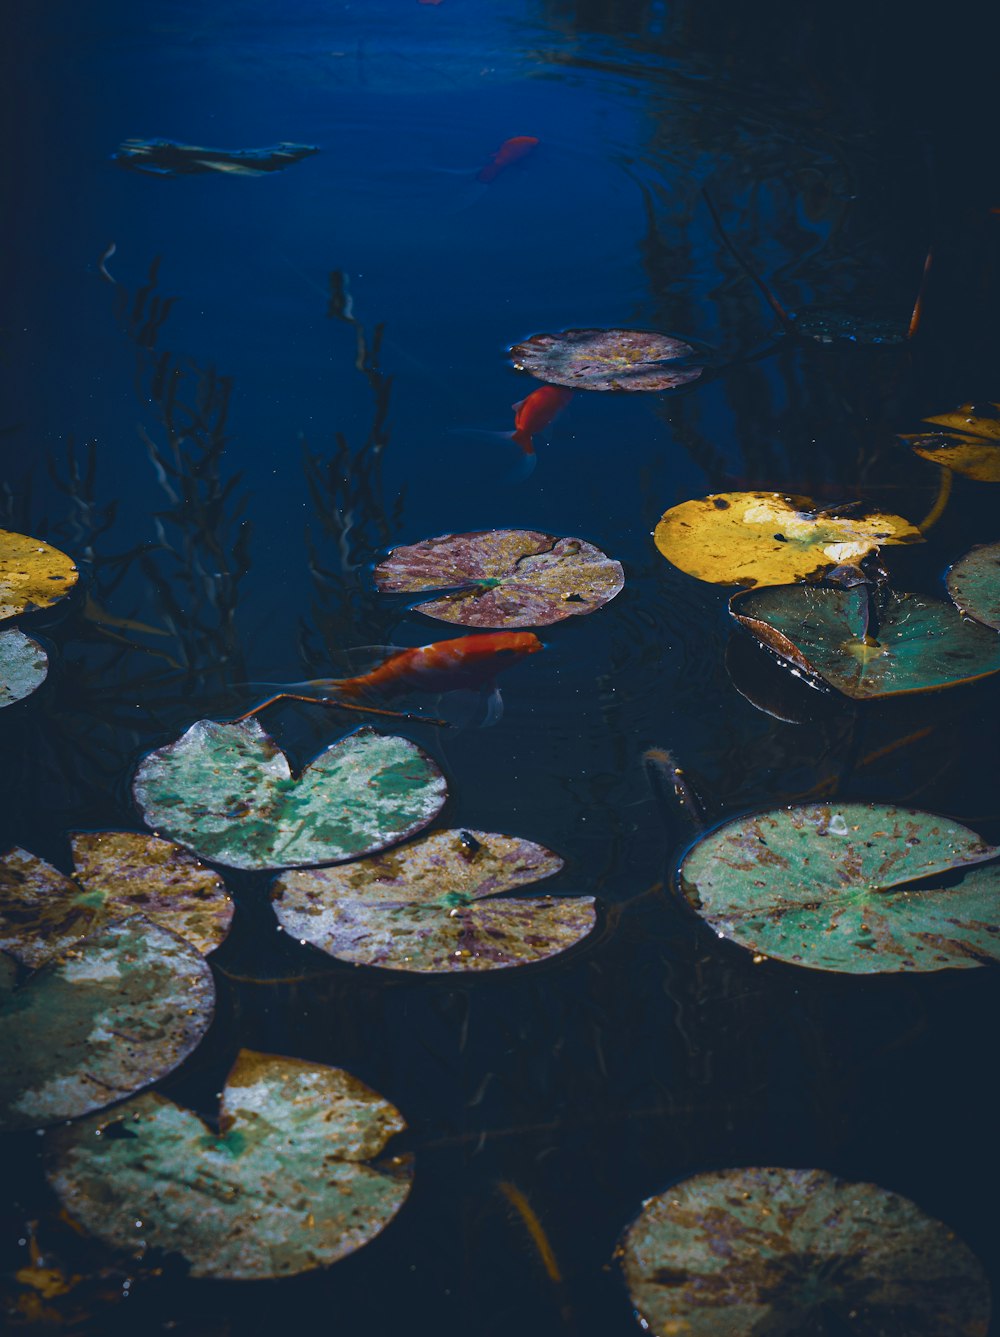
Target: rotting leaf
x=227 y=792
x=608 y=360
x=764 y=1250
x=967 y=442
x=284 y=1186
x=974 y=584
x=116 y=874
x=111 y=1014
x=503 y=577
x=32 y=574
x=422 y=907
x=855 y=887
x=868 y=644
x=768 y=538
x=24 y=666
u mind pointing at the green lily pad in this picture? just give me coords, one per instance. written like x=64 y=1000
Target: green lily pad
x=503 y=577
x=967 y=441
x=32 y=574
x=767 y=538
x=284 y=1184
x=227 y=792
x=895 y=644
x=24 y=666
x=608 y=360
x=974 y=584
x=117 y=873
x=421 y=907
x=763 y=1250
x=109 y=1015
x=854 y=887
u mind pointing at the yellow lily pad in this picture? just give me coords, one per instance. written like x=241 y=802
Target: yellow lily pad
x=32 y=574
x=768 y=538
x=968 y=442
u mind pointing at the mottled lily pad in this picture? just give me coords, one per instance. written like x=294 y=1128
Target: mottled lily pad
x=108 y=1016
x=286 y=1184
x=608 y=360
x=854 y=887
x=32 y=574
x=974 y=584
x=762 y=1250
x=24 y=666
x=117 y=873
x=421 y=907
x=967 y=442
x=868 y=645
x=767 y=538
x=503 y=577
x=227 y=792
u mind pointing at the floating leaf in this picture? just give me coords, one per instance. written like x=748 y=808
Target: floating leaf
x=24 y=666
x=831 y=887
x=503 y=577
x=763 y=1250
x=117 y=873
x=607 y=360
x=32 y=574
x=165 y=157
x=867 y=646
x=766 y=538
x=422 y=908
x=974 y=584
x=227 y=792
x=285 y=1185
x=969 y=443
x=111 y=1014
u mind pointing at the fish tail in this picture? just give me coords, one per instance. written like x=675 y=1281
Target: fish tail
x=525 y=466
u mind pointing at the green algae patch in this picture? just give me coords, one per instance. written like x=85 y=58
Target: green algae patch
x=108 y=1016
x=293 y=1179
x=855 y=887
x=436 y=905
x=974 y=584
x=868 y=644
x=503 y=577
x=227 y=792
x=33 y=574
x=24 y=666
x=116 y=874
x=764 y=1250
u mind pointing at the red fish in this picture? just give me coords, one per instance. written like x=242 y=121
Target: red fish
x=445 y=666
x=509 y=151
x=534 y=414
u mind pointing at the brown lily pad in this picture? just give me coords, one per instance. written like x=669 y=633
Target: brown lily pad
x=763 y=1250
x=503 y=577
x=422 y=907
x=967 y=441
x=608 y=360
x=116 y=874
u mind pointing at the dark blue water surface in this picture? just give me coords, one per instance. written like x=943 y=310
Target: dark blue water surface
x=838 y=144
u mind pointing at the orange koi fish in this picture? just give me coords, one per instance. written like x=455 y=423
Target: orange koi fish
x=445 y=666
x=509 y=151
x=534 y=414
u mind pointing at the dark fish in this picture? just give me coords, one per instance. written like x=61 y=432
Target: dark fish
x=165 y=157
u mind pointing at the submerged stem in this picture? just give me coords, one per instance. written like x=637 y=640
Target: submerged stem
x=940 y=501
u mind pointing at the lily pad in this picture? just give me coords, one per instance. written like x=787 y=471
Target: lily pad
x=763 y=1250
x=503 y=577
x=227 y=792
x=854 y=887
x=24 y=666
x=117 y=873
x=109 y=1015
x=421 y=907
x=867 y=645
x=608 y=360
x=286 y=1183
x=968 y=441
x=974 y=584
x=32 y=574
x=830 y=325
x=767 y=538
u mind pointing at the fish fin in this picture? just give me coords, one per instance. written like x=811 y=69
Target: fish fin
x=525 y=466
x=516 y=406
x=492 y=708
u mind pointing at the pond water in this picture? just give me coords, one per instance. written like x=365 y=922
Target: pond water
x=340 y=330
